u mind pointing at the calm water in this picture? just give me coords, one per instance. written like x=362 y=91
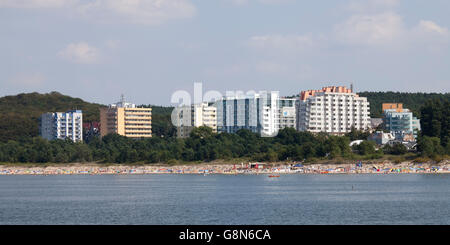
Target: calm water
x=220 y=199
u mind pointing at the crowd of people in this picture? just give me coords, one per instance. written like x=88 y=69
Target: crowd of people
x=243 y=168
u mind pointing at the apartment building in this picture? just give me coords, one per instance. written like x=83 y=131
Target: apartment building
x=400 y=121
x=258 y=113
x=333 y=110
x=126 y=119
x=196 y=115
x=62 y=125
x=287 y=113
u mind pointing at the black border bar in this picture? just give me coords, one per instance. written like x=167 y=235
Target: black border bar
x=224 y=234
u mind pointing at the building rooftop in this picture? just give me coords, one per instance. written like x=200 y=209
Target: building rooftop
x=330 y=89
x=122 y=104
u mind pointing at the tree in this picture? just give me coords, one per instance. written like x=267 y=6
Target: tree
x=365 y=148
x=398 y=149
x=308 y=150
x=429 y=146
x=355 y=134
x=201 y=132
x=435 y=120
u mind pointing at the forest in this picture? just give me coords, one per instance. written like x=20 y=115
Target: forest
x=204 y=145
x=412 y=101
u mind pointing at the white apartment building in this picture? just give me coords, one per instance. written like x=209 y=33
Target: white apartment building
x=258 y=113
x=332 y=110
x=62 y=125
x=196 y=115
x=287 y=113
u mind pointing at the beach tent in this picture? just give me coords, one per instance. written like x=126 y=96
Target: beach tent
x=298 y=165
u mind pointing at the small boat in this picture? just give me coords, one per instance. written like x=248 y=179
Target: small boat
x=272 y=176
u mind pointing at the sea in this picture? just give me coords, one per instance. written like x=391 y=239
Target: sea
x=184 y=199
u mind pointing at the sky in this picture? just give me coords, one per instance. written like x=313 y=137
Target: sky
x=148 y=49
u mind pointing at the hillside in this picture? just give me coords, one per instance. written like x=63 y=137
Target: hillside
x=412 y=101
x=19 y=114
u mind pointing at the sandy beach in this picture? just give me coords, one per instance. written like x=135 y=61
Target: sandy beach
x=385 y=167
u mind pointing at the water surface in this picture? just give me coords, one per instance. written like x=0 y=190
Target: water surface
x=225 y=199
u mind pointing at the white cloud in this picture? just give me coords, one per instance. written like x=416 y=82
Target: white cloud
x=112 y=44
x=388 y=28
x=384 y=28
x=368 y=6
x=81 y=53
x=430 y=35
x=147 y=12
x=376 y=23
x=427 y=26
x=36 y=3
x=244 y=2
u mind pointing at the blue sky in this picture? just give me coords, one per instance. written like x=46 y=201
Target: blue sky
x=97 y=50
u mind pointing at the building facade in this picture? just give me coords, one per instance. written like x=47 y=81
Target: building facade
x=400 y=121
x=380 y=137
x=91 y=130
x=62 y=125
x=334 y=110
x=126 y=119
x=287 y=113
x=375 y=122
x=258 y=113
x=189 y=117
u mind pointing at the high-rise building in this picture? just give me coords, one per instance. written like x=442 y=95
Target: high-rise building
x=62 y=125
x=126 y=119
x=258 y=113
x=287 y=113
x=334 y=110
x=399 y=121
x=196 y=115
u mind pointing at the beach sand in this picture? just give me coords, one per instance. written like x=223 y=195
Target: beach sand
x=384 y=167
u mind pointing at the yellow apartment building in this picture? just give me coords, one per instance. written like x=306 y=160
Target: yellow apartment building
x=126 y=119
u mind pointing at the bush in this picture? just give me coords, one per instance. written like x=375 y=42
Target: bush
x=396 y=149
x=365 y=148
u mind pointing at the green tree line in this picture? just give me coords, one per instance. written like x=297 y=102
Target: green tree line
x=412 y=101
x=202 y=145
x=435 y=127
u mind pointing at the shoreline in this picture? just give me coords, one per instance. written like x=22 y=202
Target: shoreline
x=385 y=167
